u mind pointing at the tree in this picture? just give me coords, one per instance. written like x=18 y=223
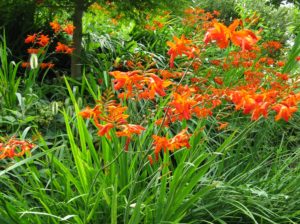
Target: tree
x=76 y=9
x=277 y=3
x=129 y=7
x=79 y=8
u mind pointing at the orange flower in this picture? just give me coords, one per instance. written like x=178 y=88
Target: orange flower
x=183 y=104
x=91 y=113
x=160 y=143
x=114 y=21
x=127 y=80
x=114 y=116
x=263 y=60
x=138 y=83
x=202 y=112
x=270 y=61
x=283 y=77
x=284 y=111
x=103 y=130
x=62 y=48
x=158 y=24
x=164 y=121
x=243 y=100
x=129 y=64
x=149 y=27
x=129 y=129
x=69 y=29
x=216 y=13
x=261 y=109
x=157 y=85
x=218 y=80
x=287 y=107
x=222 y=34
x=69 y=50
x=196 y=65
x=43 y=40
x=46 y=65
x=55 y=26
x=168 y=74
x=258 y=104
x=25 y=65
x=215 y=62
x=178 y=141
x=150 y=160
x=247 y=64
x=222 y=125
x=244 y=39
x=272 y=46
x=30 y=39
x=180 y=47
x=14 y=148
x=35 y=51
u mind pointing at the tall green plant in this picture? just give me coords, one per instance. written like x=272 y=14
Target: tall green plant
x=8 y=77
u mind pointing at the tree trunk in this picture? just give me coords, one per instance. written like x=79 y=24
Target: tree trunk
x=77 y=39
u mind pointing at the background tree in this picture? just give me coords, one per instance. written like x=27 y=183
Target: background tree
x=17 y=18
x=277 y=3
x=76 y=9
x=22 y=16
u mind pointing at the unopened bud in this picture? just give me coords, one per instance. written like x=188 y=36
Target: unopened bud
x=33 y=61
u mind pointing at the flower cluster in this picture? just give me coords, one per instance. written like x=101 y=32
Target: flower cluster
x=138 y=83
x=177 y=142
x=222 y=34
x=40 y=42
x=40 y=39
x=157 y=22
x=109 y=116
x=287 y=107
x=62 y=48
x=272 y=46
x=185 y=103
x=199 y=18
x=56 y=27
x=248 y=79
x=67 y=29
x=14 y=148
x=181 y=46
x=42 y=65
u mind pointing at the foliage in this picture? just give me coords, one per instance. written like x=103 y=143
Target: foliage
x=17 y=16
x=266 y=14
x=186 y=117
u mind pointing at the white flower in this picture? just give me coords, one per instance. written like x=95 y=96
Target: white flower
x=33 y=61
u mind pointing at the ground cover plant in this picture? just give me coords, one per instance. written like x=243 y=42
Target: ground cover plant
x=182 y=113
